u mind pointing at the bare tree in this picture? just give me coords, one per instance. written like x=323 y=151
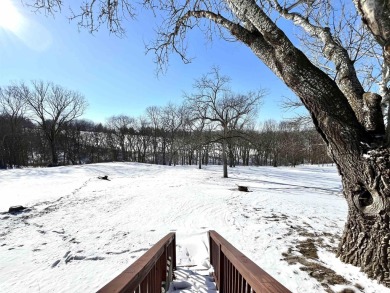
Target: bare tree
x=122 y=127
x=76 y=141
x=52 y=107
x=96 y=141
x=173 y=118
x=215 y=103
x=143 y=139
x=153 y=114
x=349 y=118
x=13 y=110
x=12 y=103
x=196 y=126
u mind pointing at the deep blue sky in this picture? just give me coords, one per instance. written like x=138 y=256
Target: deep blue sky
x=114 y=74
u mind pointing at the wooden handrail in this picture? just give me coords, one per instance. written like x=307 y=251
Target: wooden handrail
x=235 y=273
x=150 y=272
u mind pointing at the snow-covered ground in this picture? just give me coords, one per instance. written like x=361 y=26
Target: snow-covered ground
x=80 y=231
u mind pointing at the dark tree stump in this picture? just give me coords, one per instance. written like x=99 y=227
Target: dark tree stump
x=242 y=188
x=16 y=209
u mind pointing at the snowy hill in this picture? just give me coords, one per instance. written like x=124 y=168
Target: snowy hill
x=80 y=231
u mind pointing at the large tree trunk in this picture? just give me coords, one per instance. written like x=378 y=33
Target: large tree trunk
x=366 y=238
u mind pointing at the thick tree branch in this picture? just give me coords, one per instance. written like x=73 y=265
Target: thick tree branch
x=376 y=15
x=173 y=40
x=346 y=77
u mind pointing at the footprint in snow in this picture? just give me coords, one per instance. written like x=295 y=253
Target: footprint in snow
x=82 y=257
x=139 y=250
x=76 y=257
x=118 y=252
x=59 y=232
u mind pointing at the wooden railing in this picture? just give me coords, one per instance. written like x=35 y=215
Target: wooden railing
x=152 y=272
x=235 y=273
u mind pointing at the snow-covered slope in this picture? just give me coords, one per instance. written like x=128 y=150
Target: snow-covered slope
x=81 y=231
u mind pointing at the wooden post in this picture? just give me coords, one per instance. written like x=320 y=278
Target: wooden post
x=221 y=270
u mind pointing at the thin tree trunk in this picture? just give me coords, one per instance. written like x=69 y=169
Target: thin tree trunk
x=224 y=159
x=54 y=157
x=200 y=158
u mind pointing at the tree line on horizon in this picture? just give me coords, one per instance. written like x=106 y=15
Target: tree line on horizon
x=40 y=125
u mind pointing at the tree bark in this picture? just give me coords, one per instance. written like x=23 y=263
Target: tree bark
x=366 y=238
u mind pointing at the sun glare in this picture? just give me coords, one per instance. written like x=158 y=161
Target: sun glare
x=10 y=18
